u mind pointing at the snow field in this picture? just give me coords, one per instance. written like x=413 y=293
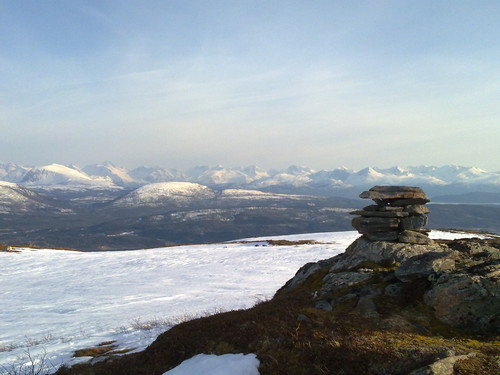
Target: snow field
x=54 y=302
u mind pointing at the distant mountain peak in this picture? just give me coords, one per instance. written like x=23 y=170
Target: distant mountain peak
x=253 y=177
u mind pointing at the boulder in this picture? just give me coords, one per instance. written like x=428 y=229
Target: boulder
x=333 y=281
x=421 y=266
x=381 y=252
x=459 y=280
x=413 y=222
x=409 y=236
x=445 y=366
x=466 y=301
x=366 y=305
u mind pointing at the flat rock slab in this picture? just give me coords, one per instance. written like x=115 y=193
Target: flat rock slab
x=404 y=201
x=366 y=225
x=381 y=236
x=380 y=213
x=394 y=192
x=416 y=209
x=374 y=207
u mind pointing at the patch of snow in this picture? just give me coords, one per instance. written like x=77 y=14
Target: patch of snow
x=118 y=175
x=453 y=235
x=8 y=184
x=255 y=194
x=220 y=175
x=284 y=179
x=227 y=364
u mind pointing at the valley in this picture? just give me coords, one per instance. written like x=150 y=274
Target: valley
x=104 y=207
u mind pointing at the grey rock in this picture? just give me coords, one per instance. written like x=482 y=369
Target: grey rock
x=382 y=236
x=465 y=300
x=374 y=207
x=302 y=274
x=366 y=305
x=394 y=290
x=323 y=305
x=413 y=222
x=375 y=224
x=381 y=252
x=333 y=281
x=416 y=209
x=443 y=366
x=408 y=202
x=393 y=192
x=302 y=318
x=408 y=236
x=423 y=265
x=380 y=213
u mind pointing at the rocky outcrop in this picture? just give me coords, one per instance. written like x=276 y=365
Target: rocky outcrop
x=397 y=216
x=456 y=283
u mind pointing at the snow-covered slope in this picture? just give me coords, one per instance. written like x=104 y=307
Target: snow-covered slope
x=118 y=175
x=164 y=193
x=57 y=174
x=283 y=179
x=254 y=195
x=132 y=296
x=18 y=199
x=156 y=174
x=12 y=172
x=222 y=176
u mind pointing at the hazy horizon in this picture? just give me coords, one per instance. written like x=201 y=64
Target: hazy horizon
x=241 y=167
x=269 y=83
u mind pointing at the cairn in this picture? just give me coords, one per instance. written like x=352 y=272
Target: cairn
x=399 y=215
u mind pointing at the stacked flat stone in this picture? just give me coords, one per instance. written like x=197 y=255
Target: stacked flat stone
x=399 y=215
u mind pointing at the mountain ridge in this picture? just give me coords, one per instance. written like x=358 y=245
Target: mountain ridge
x=108 y=175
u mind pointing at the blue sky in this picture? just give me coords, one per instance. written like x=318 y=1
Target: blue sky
x=319 y=83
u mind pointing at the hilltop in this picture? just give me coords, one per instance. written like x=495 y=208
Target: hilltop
x=345 y=316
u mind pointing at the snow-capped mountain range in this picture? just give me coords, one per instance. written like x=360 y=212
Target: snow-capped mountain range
x=109 y=176
x=108 y=207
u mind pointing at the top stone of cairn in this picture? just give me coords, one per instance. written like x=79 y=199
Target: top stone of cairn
x=394 y=192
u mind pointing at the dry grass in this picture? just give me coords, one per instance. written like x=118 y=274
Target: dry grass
x=104 y=348
x=96 y=351
x=6 y=248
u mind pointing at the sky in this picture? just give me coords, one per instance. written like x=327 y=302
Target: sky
x=180 y=83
